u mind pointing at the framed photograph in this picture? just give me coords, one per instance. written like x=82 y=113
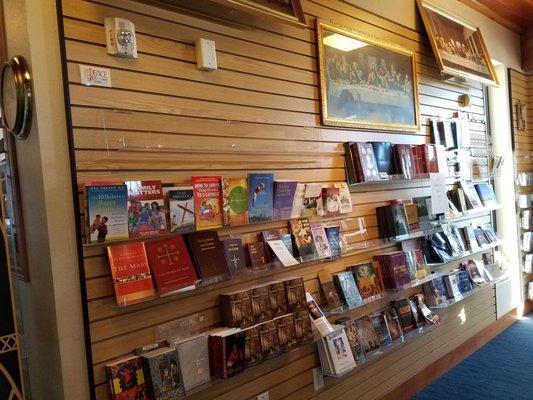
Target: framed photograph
x=290 y=10
x=521 y=116
x=364 y=82
x=458 y=46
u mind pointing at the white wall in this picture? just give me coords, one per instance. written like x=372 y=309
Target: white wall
x=50 y=304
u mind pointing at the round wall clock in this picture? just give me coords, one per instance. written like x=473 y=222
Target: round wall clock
x=16 y=98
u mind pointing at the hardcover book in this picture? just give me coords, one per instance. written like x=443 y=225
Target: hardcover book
x=294 y=288
x=126 y=379
x=107 y=213
x=170 y=264
x=234 y=253
x=163 y=375
x=405 y=314
x=286 y=332
x=236 y=309
x=146 y=210
x=253 y=354
x=393 y=323
x=367 y=280
x=380 y=326
x=260 y=300
x=333 y=235
x=349 y=163
x=234 y=201
x=303 y=238
x=268 y=334
x=298 y=201
x=404 y=162
x=383 y=155
x=353 y=340
x=227 y=353
x=278 y=298
x=284 y=191
x=431 y=158
x=208 y=256
x=331 y=201
x=435 y=292
x=132 y=278
x=345 y=198
x=367 y=335
x=366 y=164
x=258 y=256
x=181 y=209
x=321 y=240
x=260 y=197
x=267 y=236
x=329 y=291
x=207 y=201
x=346 y=285
x=419 y=159
x=302 y=327
x=193 y=355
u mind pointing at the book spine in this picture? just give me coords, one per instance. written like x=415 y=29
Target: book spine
x=349 y=164
x=357 y=162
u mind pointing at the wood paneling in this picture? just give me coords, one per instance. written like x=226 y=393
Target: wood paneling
x=258 y=112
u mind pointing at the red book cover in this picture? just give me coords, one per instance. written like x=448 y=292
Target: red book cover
x=419 y=159
x=131 y=275
x=146 y=208
x=171 y=265
x=430 y=157
x=207 y=201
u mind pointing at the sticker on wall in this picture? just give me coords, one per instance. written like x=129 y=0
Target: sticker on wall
x=95 y=76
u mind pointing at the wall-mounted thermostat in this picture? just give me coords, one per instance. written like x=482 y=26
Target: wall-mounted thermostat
x=120 y=37
x=206 y=55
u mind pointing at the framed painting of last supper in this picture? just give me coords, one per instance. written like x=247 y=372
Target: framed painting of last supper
x=458 y=46
x=364 y=82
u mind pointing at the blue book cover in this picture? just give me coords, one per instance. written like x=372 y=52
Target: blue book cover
x=260 y=197
x=346 y=283
x=332 y=234
x=107 y=213
x=464 y=283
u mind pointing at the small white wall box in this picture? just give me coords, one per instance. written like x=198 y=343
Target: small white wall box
x=120 y=37
x=206 y=55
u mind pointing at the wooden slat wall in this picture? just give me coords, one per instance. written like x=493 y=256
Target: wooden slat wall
x=522 y=91
x=263 y=99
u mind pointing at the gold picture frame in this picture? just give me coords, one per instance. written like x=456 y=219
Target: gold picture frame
x=365 y=82
x=295 y=14
x=458 y=46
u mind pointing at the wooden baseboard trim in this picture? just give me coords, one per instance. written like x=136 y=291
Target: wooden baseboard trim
x=528 y=307
x=409 y=388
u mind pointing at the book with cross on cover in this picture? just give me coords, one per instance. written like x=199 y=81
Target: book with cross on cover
x=181 y=209
x=171 y=266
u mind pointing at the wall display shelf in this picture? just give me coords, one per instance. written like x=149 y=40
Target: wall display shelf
x=396 y=345
x=398 y=180
x=436 y=271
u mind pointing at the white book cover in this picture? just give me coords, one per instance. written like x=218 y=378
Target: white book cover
x=298 y=201
x=321 y=240
x=345 y=197
x=452 y=286
x=340 y=352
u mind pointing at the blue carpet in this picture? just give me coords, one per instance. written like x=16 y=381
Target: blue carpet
x=502 y=369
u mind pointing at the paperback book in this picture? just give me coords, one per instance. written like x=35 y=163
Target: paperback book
x=321 y=240
x=163 y=374
x=331 y=295
x=126 y=379
x=367 y=335
x=193 y=356
x=234 y=201
x=303 y=238
x=353 y=339
x=234 y=254
x=107 y=216
x=284 y=192
x=345 y=198
x=347 y=288
x=260 y=197
x=207 y=202
x=181 y=209
x=367 y=280
x=227 y=352
x=146 y=210
x=380 y=326
x=333 y=235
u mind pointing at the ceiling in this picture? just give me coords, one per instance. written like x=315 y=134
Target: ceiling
x=516 y=15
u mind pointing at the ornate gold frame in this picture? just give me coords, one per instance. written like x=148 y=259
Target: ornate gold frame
x=422 y=5
x=326 y=120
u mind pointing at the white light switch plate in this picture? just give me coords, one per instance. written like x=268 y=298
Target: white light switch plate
x=263 y=396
